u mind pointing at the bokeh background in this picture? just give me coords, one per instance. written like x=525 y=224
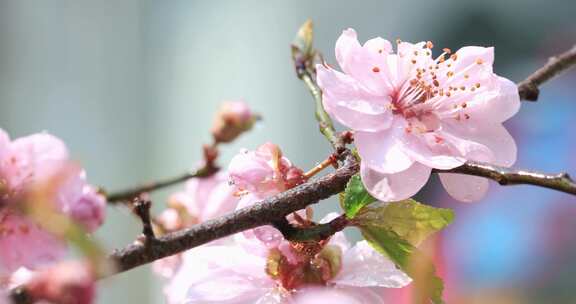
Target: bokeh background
x=131 y=86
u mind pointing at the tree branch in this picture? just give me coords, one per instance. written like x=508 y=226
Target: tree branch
x=141 y=207
x=504 y=176
x=263 y=213
x=129 y=194
x=528 y=88
x=313 y=233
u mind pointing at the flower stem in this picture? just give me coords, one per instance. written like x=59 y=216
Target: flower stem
x=331 y=160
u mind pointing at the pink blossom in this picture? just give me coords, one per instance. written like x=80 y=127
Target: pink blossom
x=412 y=113
x=64 y=283
x=290 y=273
x=259 y=174
x=201 y=200
x=26 y=164
x=263 y=172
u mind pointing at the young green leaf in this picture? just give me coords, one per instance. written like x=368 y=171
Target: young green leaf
x=356 y=197
x=412 y=261
x=395 y=229
x=410 y=220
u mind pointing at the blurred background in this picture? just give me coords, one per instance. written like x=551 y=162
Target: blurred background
x=131 y=86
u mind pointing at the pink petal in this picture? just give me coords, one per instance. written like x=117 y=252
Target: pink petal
x=346 y=47
x=221 y=199
x=464 y=188
x=222 y=274
x=364 y=65
x=497 y=104
x=24 y=244
x=351 y=295
x=468 y=149
x=470 y=55
x=397 y=186
x=346 y=100
x=383 y=151
x=378 y=46
x=362 y=266
x=37 y=156
x=495 y=137
x=424 y=149
x=4 y=143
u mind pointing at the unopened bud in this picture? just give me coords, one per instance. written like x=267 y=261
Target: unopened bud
x=232 y=119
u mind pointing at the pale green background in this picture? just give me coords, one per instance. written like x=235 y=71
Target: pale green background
x=131 y=86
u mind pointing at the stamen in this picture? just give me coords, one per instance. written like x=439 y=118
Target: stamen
x=375 y=69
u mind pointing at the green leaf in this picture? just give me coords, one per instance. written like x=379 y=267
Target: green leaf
x=410 y=220
x=411 y=260
x=355 y=197
x=395 y=229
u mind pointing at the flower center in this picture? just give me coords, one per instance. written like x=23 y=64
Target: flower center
x=310 y=263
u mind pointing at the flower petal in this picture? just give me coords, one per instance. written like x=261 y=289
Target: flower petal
x=349 y=295
x=363 y=64
x=362 y=266
x=219 y=273
x=346 y=100
x=497 y=104
x=39 y=155
x=495 y=137
x=382 y=151
x=378 y=45
x=465 y=188
x=427 y=150
x=397 y=186
x=24 y=244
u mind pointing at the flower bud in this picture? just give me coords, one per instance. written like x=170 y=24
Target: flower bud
x=232 y=119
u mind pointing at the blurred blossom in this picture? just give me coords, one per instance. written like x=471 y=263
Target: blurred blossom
x=202 y=199
x=412 y=113
x=289 y=272
x=232 y=119
x=259 y=174
x=27 y=165
x=64 y=283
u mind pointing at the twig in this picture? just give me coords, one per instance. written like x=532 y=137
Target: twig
x=528 y=88
x=332 y=160
x=141 y=207
x=314 y=233
x=259 y=214
x=504 y=176
x=127 y=195
x=324 y=121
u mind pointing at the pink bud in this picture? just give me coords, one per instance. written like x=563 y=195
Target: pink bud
x=232 y=119
x=65 y=283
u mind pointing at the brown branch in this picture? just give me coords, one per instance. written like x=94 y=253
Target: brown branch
x=528 y=88
x=141 y=207
x=313 y=233
x=129 y=194
x=505 y=176
x=263 y=213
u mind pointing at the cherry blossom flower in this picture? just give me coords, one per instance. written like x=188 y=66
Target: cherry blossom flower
x=259 y=174
x=412 y=113
x=201 y=200
x=290 y=273
x=26 y=164
x=64 y=283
